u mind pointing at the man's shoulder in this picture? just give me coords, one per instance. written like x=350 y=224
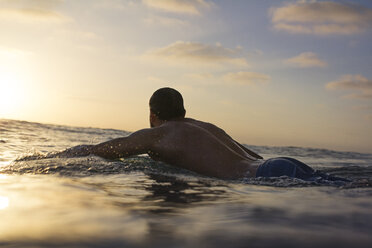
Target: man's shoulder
x=203 y=124
x=190 y=126
x=154 y=132
x=180 y=124
x=208 y=127
x=196 y=122
x=178 y=127
x=189 y=123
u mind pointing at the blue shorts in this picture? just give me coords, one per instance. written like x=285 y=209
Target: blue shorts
x=283 y=166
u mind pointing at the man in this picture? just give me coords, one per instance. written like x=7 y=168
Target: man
x=191 y=144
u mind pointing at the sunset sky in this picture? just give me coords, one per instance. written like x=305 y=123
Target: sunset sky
x=277 y=73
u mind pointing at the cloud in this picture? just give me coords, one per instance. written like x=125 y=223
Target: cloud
x=246 y=78
x=157 y=80
x=366 y=109
x=36 y=10
x=363 y=107
x=32 y=15
x=307 y=59
x=75 y=36
x=233 y=78
x=368 y=117
x=201 y=76
x=91 y=100
x=192 y=52
x=322 y=18
x=34 y=3
x=11 y=53
x=354 y=83
x=191 y=7
x=165 y=21
x=116 y=5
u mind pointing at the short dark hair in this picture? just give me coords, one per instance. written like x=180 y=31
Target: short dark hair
x=167 y=103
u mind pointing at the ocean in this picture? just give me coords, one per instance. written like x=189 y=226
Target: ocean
x=137 y=202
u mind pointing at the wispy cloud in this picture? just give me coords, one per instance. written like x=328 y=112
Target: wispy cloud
x=306 y=59
x=368 y=117
x=33 y=3
x=158 y=80
x=363 y=107
x=201 y=76
x=355 y=83
x=192 y=7
x=116 y=5
x=165 y=21
x=34 y=11
x=11 y=53
x=193 y=52
x=91 y=100
x=322 y=18
x=366 y=109
x=28 y=14
x=246 y=78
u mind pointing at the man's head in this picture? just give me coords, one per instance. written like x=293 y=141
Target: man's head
x=166 y=104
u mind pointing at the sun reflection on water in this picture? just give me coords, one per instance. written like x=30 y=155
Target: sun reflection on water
x=4 y=201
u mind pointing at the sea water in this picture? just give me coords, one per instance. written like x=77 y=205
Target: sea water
x=136 y=202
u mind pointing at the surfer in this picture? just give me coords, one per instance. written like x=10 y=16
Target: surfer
x=193 y=145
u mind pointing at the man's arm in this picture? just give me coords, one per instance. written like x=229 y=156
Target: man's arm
x=139 y=142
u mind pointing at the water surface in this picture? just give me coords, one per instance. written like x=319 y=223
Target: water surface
x=136 y=202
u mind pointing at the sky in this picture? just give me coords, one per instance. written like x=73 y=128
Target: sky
x=275 y=73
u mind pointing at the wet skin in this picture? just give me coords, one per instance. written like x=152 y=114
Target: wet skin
x=187 y=143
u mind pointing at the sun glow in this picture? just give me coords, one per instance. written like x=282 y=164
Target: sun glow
x=4 y=202
x=11 y=93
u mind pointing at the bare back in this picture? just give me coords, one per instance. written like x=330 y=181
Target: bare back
x=203 y=148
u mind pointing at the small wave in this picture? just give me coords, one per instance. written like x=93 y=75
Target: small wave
x=87 y=166
x=293 y=151
x=33 y=156
x=93 y=165
x=359 y=177
x=285 y=181
x=355 y=172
